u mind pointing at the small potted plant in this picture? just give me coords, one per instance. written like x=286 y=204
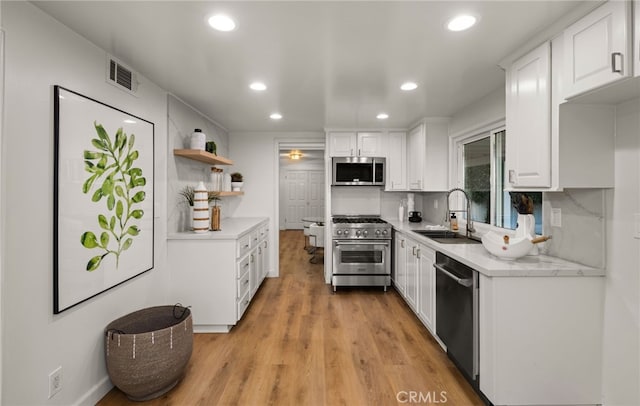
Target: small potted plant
x=236 y=181
x=188 y=193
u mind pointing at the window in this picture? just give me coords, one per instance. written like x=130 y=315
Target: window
x=481 y=173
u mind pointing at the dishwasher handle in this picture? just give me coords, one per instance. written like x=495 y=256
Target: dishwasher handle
x=464 y=282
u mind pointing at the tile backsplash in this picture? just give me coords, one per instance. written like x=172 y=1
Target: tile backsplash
x=581 y=236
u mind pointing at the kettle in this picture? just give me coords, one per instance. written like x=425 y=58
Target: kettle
x=415 y=216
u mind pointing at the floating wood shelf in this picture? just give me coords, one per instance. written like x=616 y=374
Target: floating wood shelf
x=223 y=194
x=203 y=156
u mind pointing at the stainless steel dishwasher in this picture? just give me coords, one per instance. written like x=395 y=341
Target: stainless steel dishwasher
x=457 y=313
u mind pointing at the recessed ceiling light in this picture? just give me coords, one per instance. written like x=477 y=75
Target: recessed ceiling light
x=258 y=86
x=382 y=116
x=409 y=86
x=221 y=22
x=275 y=116
x=129 y=121
x=461 y=23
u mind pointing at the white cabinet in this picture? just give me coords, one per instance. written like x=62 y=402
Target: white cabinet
x=636 y=38
x=427 y=287
x=541 y=340
x=427 y=155
x=414 y=278
x=528 y=145
x=400 y=263
x=396 y=161
x=552 y=144
x=344 y=143
x=217 y=277
x=597 y=48
x=413 y=263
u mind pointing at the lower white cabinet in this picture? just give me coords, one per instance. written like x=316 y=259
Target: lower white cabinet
x=399 y=274
x=541 y=340
x=414 y=277
x=413 y=262
x=427 y=287
x=218 y=277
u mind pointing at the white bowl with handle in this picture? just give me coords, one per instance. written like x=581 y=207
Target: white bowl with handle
x=506 y=247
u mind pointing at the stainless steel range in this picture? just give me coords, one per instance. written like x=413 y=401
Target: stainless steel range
x=361 y=251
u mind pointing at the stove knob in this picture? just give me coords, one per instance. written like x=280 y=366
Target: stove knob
x=365 y=233
x=346 y=232
x=358 y=232
x=377 y=232
x=384 y=232
x=339 y=232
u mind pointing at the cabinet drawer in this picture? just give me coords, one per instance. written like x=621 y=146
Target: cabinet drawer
x=243 y=303
x=244 y=245
x=243 y=266
x=264 y=231
x=255 y=237
x=243 y=284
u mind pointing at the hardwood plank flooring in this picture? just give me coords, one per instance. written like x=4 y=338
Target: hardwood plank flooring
x=300 y=344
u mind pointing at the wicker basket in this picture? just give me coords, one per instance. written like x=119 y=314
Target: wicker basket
x=147 y=351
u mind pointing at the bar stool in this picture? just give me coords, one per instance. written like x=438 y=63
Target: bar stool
x=316 y=239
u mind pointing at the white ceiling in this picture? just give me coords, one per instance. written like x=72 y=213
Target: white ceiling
x=326 y=64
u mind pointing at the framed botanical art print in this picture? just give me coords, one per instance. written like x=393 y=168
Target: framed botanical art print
x=103 y=197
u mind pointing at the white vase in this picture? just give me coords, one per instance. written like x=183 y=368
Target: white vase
x=198 y=139
x=200 y=209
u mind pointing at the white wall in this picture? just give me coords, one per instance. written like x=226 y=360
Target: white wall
x=255 y=156
x=621 y=341
x=488 y=109
x=40 y=53
x=183 y=119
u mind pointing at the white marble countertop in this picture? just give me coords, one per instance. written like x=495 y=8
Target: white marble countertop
x=478 y=258
x=232 y=228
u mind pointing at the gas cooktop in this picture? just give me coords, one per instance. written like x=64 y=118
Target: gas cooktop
x=357 y=220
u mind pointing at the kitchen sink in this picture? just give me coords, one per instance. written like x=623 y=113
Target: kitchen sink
x=446 y=237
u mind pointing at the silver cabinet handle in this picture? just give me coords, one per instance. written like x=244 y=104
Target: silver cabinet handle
x=358 y=151
x=351 y=152
x=512 y=176
x=413 y=250
x=464 y=282
x=252 y=258
x=402 y=243
x=246 y=282
x=615 y=57
x=418 y=253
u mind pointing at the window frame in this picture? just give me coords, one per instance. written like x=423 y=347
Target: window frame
x=456 y=177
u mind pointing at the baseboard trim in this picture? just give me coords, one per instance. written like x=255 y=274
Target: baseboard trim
x=96 y=393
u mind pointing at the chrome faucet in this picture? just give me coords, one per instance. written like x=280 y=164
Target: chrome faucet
x=470 y=228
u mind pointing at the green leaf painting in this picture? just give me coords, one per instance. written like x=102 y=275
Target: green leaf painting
x=112 y=175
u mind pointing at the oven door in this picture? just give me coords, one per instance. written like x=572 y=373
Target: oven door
x=361 y=257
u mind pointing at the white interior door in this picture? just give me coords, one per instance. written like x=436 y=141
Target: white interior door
x=296 y=187
x=315 y=202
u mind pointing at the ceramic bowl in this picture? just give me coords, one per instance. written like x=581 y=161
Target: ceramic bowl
x=513 y=249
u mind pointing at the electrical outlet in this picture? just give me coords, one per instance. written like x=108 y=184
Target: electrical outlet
x=636 y=235
x=55 y=381
x=435 y=204
x=556 y=217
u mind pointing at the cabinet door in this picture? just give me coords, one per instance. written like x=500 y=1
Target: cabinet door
x=529 y=120
x=266 y=266
x=412 y=274
x=369 y=144
x=400 y=262
x=342 y=144
x=427 y=288
x=415 y=157
x=253 y=278
x=597 y=49
x=636 y=39
x=397 y=161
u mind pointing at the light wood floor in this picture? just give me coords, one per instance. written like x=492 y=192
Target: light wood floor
x=299 y=344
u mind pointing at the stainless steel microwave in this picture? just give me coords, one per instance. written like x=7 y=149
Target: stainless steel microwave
x=358 y=171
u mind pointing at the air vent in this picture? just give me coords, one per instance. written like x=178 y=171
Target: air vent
x=121 y=76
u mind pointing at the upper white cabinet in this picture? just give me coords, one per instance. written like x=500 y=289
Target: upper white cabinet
x=528 y=148
x=355 y=144
x=397 y=161
x=597 y=49
x=427 y=155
